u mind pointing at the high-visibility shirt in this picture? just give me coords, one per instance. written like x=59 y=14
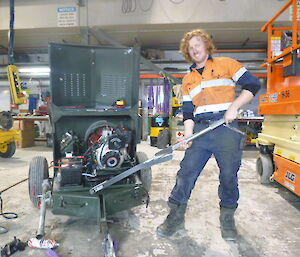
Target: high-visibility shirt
x=214 y=90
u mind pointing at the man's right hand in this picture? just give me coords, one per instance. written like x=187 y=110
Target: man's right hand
x=184 y=145
x=188 y=131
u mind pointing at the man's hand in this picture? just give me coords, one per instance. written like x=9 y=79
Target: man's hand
x=188 y=131
x=242 y=99
x=230 y=115
x=184 y=145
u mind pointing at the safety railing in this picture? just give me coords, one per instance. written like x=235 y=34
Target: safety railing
x=269 y=26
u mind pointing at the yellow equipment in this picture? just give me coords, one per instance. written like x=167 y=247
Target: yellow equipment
x=18 y=95
x=7 y=142
x=279 y=141
x=7 y=136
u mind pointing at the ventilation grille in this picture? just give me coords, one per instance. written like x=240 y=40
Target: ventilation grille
x=74 y=84
x=114 y=86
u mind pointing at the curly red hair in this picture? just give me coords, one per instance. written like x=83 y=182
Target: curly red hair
x=184 y=44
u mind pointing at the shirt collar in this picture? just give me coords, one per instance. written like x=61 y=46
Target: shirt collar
x=193 y=66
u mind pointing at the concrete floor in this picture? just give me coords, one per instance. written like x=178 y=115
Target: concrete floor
x=267 y=219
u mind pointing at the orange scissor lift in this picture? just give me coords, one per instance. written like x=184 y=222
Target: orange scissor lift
x=279 y=141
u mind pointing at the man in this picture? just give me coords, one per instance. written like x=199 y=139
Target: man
x=208 y=95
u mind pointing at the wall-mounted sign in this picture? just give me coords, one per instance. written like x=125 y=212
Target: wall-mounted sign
x=67 y=16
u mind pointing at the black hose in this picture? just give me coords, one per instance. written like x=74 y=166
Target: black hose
x=11 y=32
x=8 y=215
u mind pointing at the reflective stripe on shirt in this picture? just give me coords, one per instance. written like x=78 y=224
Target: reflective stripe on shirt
x=186 y=98
x=239 y=74
x=211 y=83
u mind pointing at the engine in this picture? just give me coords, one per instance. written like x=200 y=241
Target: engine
x=111 y=149
x=107 y=150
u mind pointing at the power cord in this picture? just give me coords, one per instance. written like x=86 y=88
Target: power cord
x=8 y=215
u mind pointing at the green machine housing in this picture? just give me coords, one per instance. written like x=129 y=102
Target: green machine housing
x=94 y=136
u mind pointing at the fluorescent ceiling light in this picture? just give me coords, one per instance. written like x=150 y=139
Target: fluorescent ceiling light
x=38 y=73
x=36 y=70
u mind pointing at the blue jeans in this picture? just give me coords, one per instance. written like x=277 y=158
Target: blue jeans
x=226 y=145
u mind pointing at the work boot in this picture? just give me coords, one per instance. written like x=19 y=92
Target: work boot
x=228 y=229
x=174 y=221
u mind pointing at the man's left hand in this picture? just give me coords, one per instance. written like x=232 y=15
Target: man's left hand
x=230 y=115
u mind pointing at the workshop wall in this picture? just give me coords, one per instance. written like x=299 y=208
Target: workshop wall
x=110 y=13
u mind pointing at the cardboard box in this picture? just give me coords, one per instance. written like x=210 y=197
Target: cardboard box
x=23 y=125
x=27 y=138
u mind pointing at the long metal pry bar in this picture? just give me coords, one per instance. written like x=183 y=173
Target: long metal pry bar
x=161 y=156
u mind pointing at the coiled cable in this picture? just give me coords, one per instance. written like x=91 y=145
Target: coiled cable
x=8 y=215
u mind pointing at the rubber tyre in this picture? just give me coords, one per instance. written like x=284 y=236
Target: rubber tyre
x=6 y=120
x=145 y=175
x=38 y=171
x=163 y=139
x=153 y=141
x=264 y=168
x=11 y=149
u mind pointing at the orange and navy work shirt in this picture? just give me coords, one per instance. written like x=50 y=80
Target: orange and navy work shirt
x=212 y=88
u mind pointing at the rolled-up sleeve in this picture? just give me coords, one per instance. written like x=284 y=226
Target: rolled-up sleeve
x=249 y=82
x=243 y=77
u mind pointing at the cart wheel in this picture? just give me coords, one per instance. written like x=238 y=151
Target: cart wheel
x=163 y=139
x=264 y=168
x=153 y=141
x=6 y=120
x=145 y=175
x=38 y=171
x=8 y=151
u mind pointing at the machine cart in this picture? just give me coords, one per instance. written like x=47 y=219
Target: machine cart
x=94 y=139
x=279 y=141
